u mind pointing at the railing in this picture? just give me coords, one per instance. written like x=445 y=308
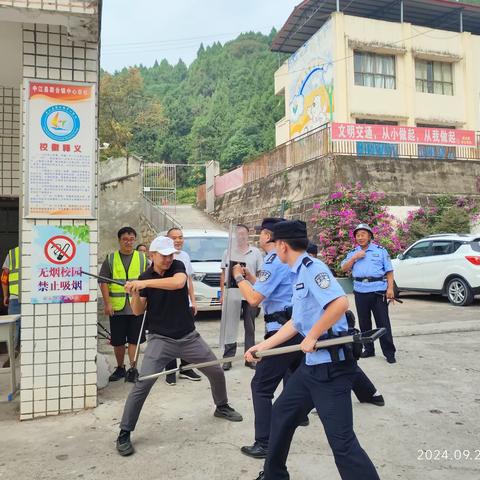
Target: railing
x=158 y=217
x=318 y=143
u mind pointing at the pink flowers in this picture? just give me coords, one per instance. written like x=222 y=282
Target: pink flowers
x=338 y=216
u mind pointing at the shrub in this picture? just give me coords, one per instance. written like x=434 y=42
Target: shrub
x=338 y=216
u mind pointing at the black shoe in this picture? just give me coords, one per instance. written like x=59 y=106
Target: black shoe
x=124 y=445
x=376 y=400
x=261 y=476
x=304 y=423
x=254 y=451
x=227 y=366
x=118 y=374
x=391 y=360
x=228 y=413
x=366 y=354
x=190 y=375
x=171 y=379
x=251 y=365
x=131 y=375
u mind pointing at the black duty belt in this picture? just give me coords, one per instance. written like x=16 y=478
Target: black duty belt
x=280 y=317
x=369 y=279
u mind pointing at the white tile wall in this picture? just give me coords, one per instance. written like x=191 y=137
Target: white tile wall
x=58 y=341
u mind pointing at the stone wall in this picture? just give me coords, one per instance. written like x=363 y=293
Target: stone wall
x=406 y=182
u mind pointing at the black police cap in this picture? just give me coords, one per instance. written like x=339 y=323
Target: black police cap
x=268 y=223
x=290 y=230
x=312 y=248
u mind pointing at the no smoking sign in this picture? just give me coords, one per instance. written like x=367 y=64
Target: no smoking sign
x=60 y=249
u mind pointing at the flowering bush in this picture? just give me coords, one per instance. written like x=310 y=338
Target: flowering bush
x=447 y=215
x=338 y=216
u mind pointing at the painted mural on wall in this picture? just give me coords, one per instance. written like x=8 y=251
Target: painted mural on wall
x=311 y=85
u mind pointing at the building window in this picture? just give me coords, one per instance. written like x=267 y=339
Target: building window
x=374 y=70
x=434 y=77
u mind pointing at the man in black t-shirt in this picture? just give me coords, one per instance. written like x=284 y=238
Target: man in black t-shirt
x=162 y=290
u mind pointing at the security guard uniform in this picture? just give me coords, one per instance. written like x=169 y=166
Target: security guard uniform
x=324 y=380
x=369 y=288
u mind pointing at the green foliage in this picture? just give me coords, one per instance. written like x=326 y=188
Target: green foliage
x=447 y=215
x=222 y=107
x=80 y=233
x=187 y=195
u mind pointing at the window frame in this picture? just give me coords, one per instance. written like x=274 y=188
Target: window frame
x=375 y=73
x=428 y=250
x=428 y=85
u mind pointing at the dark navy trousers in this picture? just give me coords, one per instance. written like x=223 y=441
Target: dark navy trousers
x=376 y=303
x=268 y=375
x=327 y=387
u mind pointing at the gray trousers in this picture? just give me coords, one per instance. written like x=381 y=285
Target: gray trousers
x=160 y=350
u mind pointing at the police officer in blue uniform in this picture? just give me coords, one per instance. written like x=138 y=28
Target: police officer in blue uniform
x=372 y=274
x=324 y=379
x=272 y=288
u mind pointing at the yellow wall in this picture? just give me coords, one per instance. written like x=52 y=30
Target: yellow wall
x=402 y=104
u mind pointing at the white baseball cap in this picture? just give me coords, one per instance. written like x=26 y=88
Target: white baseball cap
x=163 y=245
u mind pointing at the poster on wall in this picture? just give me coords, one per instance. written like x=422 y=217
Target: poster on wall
x=60 y=142
x=311 y=83
x=59 y=256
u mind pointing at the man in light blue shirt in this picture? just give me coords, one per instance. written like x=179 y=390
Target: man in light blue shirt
x=372 y=274
x=325 y=379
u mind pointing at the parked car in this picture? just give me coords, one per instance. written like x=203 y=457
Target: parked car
x=447 y=264
x=206 y=248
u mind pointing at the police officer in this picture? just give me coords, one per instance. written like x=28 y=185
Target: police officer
x=372 y=273
x=324 y=379
x=272 y=288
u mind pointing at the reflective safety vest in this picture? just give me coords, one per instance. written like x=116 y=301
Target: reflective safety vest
x=13 y=270
x=137 y=266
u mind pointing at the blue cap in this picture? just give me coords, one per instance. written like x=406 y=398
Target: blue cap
x=268 y=223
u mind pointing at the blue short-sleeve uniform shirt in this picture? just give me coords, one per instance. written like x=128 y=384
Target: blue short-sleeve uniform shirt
x=314 y=287
x=376 y=263
x=274 y=282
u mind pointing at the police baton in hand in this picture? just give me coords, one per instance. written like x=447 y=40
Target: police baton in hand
x=104 y=279
x=362 y=337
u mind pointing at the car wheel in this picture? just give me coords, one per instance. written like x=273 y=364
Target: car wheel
x=459 y=292
x=396 y=291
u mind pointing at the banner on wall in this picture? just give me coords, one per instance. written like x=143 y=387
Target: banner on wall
x=60 y=157
x=59 y=255
x=402 y=134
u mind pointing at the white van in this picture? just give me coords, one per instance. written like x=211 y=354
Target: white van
x=206 y=248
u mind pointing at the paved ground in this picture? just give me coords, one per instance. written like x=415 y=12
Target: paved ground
x=191 y=217
x=433 y=405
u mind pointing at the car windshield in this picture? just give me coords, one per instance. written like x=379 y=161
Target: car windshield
x=205 y=249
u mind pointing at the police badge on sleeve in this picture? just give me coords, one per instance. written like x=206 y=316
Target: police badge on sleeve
x=322 y=280
x=263 y=276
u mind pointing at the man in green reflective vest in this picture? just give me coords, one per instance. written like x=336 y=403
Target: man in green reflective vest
x=124 y=264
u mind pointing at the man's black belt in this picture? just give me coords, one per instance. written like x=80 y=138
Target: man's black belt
x=280 y=317
x=369 y=279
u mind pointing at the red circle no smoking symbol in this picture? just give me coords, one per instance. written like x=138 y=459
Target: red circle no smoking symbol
x=60 y=249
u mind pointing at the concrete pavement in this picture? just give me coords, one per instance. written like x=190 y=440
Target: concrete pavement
x=432 y=403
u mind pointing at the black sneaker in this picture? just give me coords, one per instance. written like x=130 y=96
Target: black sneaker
x=124 y=445
x=391 y=360
x=228 y=413
x=190 y=375
x=376 y=400
x=304 y=423
x=227 y=366
x=261 y=476
x=171 y=379
x=118 y=374
x=254 y=451
x=131 y=375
